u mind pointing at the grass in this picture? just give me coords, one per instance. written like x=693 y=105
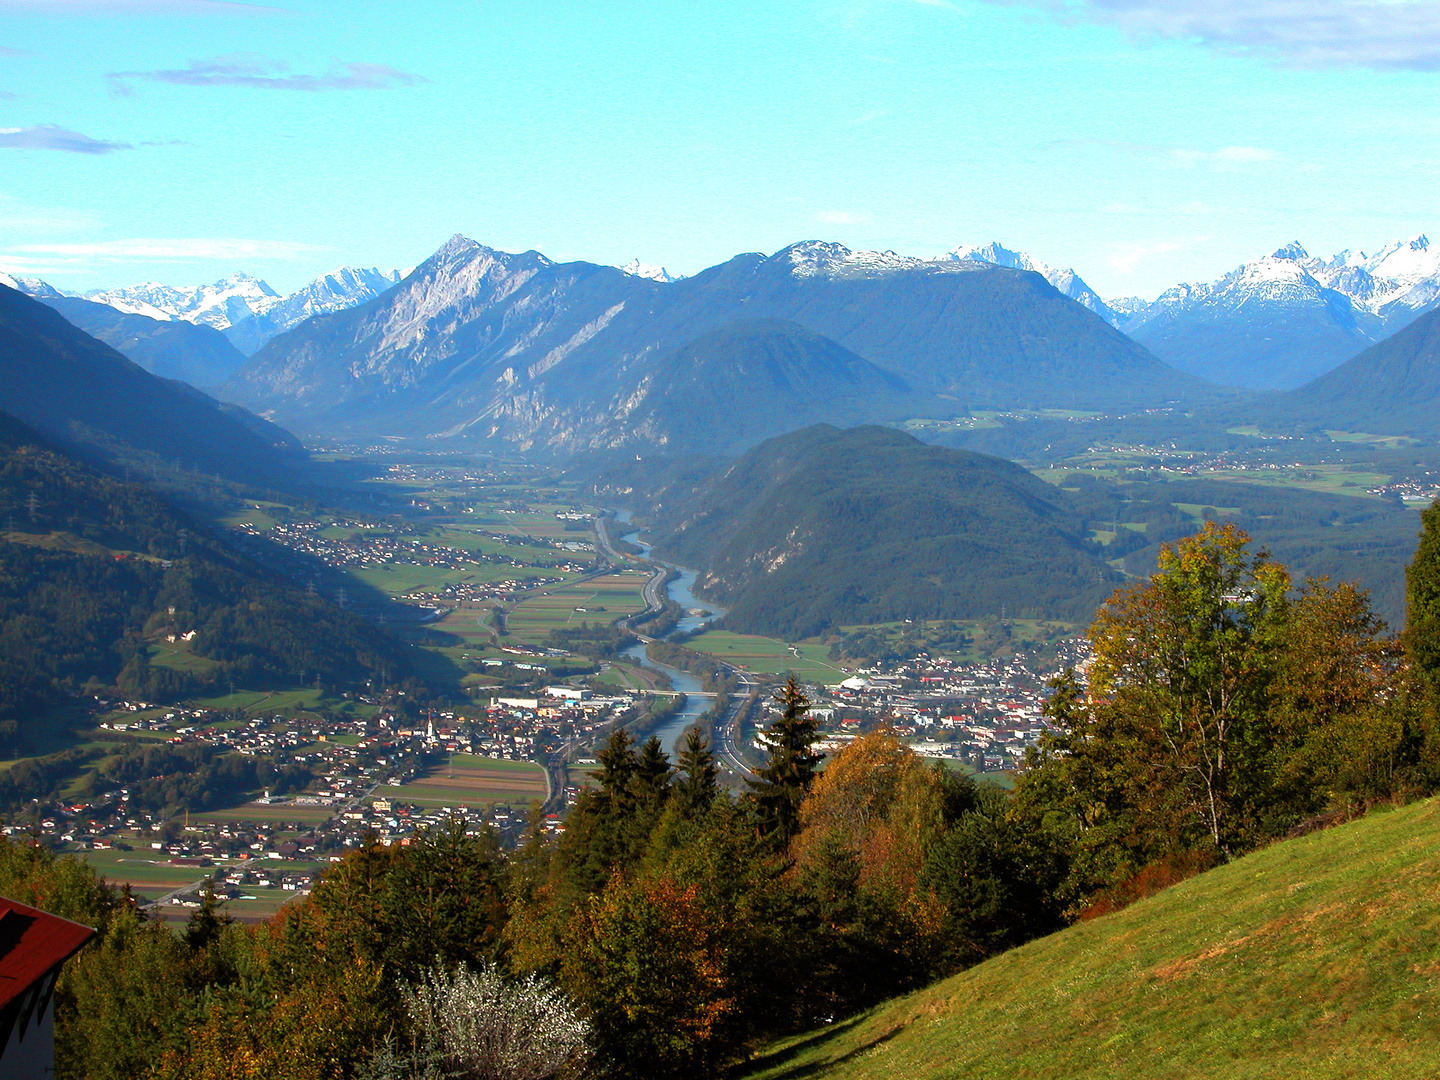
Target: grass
x=769 y=656
x=472 y=781
x=178 y=658
x=281 y=812
x=1317 y=957
x=146 y=870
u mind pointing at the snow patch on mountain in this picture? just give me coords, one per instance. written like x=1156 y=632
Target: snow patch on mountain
x=1393 y=285
x=1066 y=281
x=635 y=268
x=29 y=286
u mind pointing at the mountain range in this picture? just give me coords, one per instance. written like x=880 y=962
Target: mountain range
x=555 y=356
x=1273 y=323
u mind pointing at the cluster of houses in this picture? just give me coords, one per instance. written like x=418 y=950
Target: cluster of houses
x=1418 y=489
x=361 y=549
x=986 y=714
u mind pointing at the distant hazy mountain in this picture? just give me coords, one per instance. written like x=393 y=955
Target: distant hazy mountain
x=74 y=388
x=173 y=348
x=1066 y=281
x=822 y=527
x=544 y=354
x=747 y=381
x=335 y=291
x=248 y=310
x=1276 y=322
x=1270 y=325
x=1392 y=388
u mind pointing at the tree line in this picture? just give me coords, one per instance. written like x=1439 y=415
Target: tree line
x=673 y=926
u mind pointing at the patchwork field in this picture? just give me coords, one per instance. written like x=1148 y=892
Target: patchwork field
x=603 y=599
x=769 y=656
x=473 y=782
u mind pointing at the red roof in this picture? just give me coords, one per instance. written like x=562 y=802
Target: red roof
x=32 y=942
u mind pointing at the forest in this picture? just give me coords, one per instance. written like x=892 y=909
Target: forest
x=674 y=926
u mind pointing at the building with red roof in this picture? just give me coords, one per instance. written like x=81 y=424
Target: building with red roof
x=33 y=946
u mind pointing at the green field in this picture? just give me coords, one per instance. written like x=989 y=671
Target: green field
x=281 y=812
x=1317 y=957
x=472 y=782
x=148 y=872
x=604 y=599
x=770 y=656
x=180 y=658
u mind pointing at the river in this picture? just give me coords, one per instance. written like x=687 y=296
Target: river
x=679 y=590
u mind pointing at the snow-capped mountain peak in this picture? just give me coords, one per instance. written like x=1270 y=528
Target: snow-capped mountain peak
x=1066 y=281
x=635 y=268
x=1292 y=252
x=996 y=255
x=815 y=258
x=29 y=286
x=220 y=305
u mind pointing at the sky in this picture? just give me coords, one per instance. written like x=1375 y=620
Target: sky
x=1142 y=142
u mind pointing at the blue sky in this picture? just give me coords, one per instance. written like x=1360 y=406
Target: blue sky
x=1141 y=142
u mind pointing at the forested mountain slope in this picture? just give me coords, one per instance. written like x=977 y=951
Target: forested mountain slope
x=1315 y=957
x=82 y=392
x=1392 y=388
x=172 y=349
x=103 y=585
x=825 y=527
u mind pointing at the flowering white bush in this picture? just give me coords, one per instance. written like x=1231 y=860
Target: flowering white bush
x=474 y=1025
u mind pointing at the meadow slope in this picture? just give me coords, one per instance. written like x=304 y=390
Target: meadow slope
x=1317 y=957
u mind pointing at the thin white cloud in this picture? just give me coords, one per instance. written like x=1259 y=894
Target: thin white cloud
x=840 y=217
x=20 y=217
x=51 y=137
x=1382 y=34
x=1125 y=257
x=171 y=249
x=1225 y=157
x=265 y=73
x=136 y=7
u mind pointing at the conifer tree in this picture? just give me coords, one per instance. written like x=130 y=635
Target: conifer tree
x=651 y=782
x=780 y=786
x=696 y=787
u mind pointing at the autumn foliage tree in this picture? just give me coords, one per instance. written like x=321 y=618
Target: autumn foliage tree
x=1220 y=708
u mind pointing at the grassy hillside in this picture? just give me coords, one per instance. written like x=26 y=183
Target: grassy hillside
x=1318 y=957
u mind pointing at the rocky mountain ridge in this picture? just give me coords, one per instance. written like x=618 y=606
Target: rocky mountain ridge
x=489 y=344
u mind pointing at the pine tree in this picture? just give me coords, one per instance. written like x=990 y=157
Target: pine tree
x=651 y=782
x=780 y=787
x=696 y=787
x=208 y=921
x=618 y=765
